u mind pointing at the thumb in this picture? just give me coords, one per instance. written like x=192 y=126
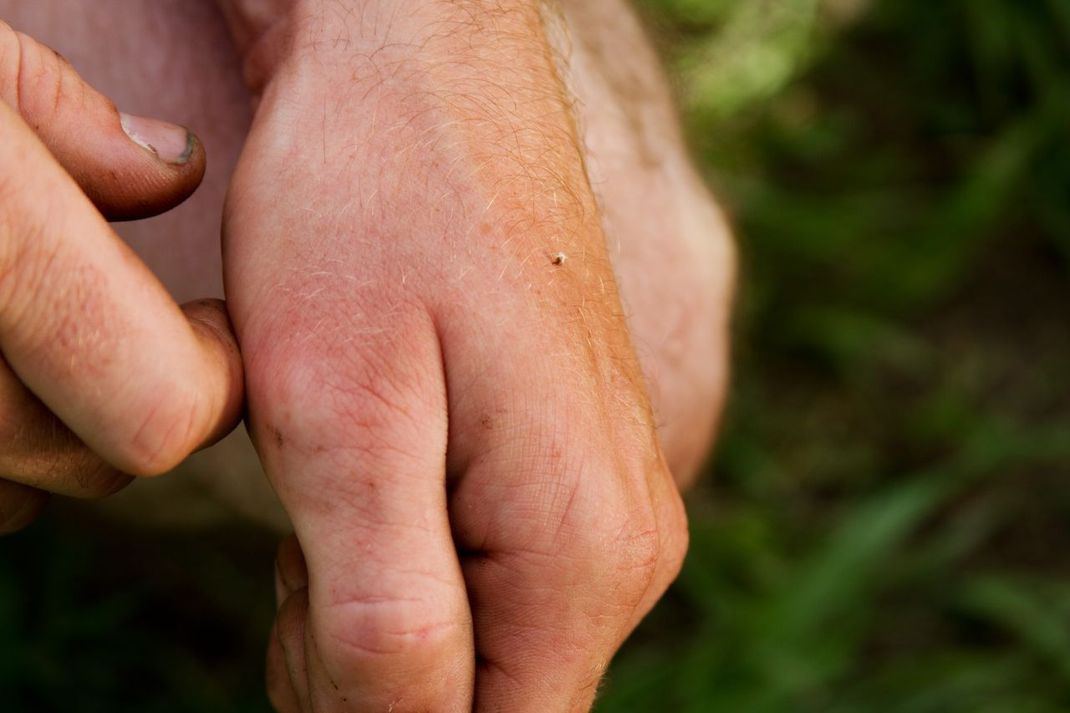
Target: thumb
x=130 y=167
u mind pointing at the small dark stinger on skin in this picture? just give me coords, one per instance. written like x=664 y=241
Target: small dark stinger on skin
x=276 y=436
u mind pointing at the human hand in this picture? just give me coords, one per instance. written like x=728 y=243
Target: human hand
x=441 y=382
x=103 y=376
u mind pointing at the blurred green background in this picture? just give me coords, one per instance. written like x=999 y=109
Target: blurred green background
x=887 y=525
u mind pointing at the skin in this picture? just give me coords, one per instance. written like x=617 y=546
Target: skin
x=458 y=421
x=102 y=374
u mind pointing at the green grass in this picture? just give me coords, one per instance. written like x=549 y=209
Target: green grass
x=885 y=525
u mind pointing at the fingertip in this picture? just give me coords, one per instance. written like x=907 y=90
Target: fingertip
x=211 y=314
x=291 y=571
x=222 y=361
x=290 y=626
x=137 y=167
x=280 y=688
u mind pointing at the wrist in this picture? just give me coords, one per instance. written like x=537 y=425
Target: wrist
x=432 y=95
x=272 y=34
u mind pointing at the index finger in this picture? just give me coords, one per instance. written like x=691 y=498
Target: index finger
x=91 y=331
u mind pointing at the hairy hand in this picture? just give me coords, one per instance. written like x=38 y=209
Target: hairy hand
x=442 y=386
x=102 y=374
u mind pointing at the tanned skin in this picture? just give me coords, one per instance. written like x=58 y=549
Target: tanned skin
x=481 y=300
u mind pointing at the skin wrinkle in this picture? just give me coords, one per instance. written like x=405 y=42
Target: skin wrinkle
x=526 y=633
x=396 y=638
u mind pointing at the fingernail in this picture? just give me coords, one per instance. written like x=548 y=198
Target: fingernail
x=170 y=143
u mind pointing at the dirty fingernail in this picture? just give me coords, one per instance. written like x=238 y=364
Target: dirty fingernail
x=170 y=143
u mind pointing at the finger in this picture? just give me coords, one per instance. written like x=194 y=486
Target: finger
x=38 y=450
x=355 y=446
x=554 y=503
x=19 y=506
x=280 y=689
x=286 y=661
x=91 y=331
x=553 y=596
x=130 y=167
x=291 y=571
x=670 y=521
x=214 y=332
x=291 y=626
x=287 y=668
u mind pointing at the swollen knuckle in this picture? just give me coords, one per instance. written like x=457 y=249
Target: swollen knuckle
x=375 y=397
x=335 y=401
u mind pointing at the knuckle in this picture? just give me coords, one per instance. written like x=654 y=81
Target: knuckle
x=380 y=396
x=393 y=627
x=676 y=539
x=635 y=544
x=639 y=549
x=658 y=537
x=607 y=514
x=634 y=559
x=573 y=499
